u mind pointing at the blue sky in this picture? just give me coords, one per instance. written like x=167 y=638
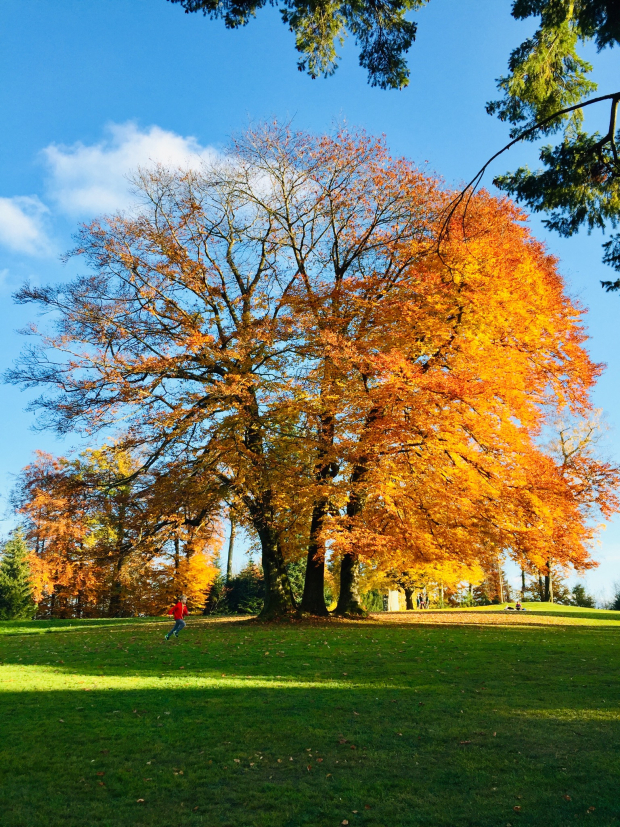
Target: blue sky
x=93 y=89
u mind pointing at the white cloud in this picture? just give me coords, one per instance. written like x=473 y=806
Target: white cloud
x=23 y=222
x=89 y=179
x=92 y=179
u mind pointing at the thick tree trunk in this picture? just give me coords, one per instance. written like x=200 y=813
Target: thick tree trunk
x=349 y=601
x=231 y=548
x=409 y=599
x=279 y=600
x=313 y=599
x=116 y=596
x=115 y=607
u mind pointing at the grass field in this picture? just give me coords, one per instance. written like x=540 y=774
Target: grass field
x=441 y=718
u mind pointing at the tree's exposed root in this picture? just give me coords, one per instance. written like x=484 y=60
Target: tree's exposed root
x=351 y=612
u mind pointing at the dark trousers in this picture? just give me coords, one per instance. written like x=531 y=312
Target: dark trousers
x=178 y=625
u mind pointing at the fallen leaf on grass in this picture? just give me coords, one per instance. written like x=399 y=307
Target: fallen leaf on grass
x=567 y=798
x=61 y=720
x=591 y=809
x=367 y=806
x=464 y=742
x=139 y=801
x=100 y=773
x=101 y=784
x=517 y=808
x=344 y=822
x=194 y=810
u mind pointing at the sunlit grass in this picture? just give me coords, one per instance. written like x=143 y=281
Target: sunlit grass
x=386 y=724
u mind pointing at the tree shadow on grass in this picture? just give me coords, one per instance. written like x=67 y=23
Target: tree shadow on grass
x=457 y=733
x=289 y=757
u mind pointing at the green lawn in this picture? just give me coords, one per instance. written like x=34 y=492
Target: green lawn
x=377 y=724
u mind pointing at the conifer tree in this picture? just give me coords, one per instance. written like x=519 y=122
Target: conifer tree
x=15 y=587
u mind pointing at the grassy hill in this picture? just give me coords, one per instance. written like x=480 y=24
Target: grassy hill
x=467 y=718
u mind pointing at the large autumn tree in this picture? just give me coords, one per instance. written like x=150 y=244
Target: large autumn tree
x=193 y=324
x=279 y=328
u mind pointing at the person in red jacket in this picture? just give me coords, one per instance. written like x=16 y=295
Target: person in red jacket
x=178 y=611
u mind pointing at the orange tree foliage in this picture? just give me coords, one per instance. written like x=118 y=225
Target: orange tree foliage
x=445 y=462
x=280 y=328
x=100 y=548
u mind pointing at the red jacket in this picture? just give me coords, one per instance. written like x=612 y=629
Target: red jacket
x=178 y=611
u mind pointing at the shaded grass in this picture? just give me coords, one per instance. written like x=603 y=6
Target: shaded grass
x=386 y=724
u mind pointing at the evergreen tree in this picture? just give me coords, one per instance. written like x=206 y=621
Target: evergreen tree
x=580 y=597
x=15 y=587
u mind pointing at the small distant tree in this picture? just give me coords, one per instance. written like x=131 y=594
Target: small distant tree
x=560 y=592
x=216 y=600
x=614 y=605
x=580 y=597
x=16 y=600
